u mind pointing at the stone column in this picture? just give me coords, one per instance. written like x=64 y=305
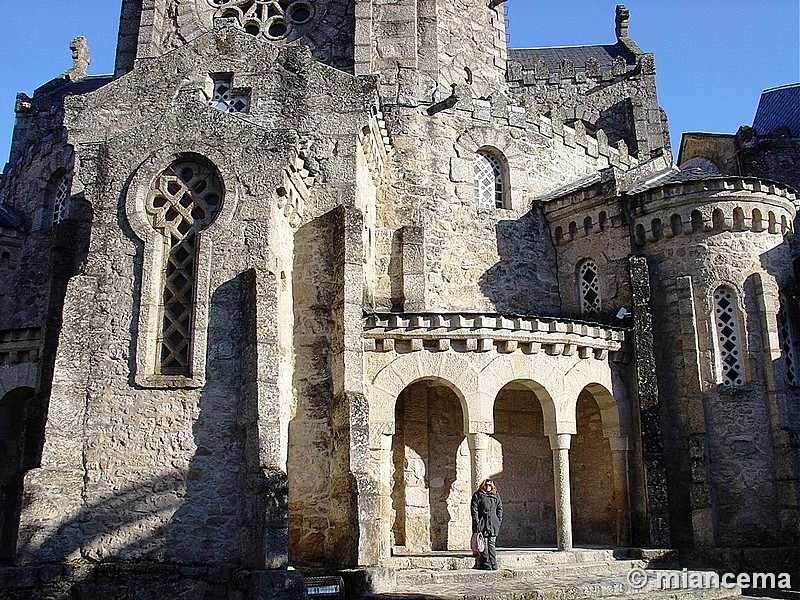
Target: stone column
x=619 y=475
x=385 y=467
x=559 y=443
x=479 y=445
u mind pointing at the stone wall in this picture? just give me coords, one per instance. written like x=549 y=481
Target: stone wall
x=720 y=439
x=521 y=464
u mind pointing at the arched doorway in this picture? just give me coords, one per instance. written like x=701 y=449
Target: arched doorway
x=432 y=470
x=594 y=514
x=12 y=467
x=521 y=463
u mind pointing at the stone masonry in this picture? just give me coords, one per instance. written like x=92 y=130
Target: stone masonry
x=288 y=285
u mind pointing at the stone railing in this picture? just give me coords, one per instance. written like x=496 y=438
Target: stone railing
x=20 y=345
x=468 y=332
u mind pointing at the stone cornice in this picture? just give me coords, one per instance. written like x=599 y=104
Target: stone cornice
x=470 y=332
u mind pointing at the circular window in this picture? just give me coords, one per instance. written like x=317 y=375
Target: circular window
x=277 y=28
x=300 y=13
x=274 y=19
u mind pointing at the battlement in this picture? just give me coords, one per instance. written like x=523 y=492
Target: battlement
x=713 y=205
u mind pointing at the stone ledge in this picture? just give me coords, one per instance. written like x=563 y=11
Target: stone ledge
x=466 y=332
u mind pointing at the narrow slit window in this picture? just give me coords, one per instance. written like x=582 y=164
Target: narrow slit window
x=589 y=289
x=729 y=341
x=61 y=199
x=787 y=334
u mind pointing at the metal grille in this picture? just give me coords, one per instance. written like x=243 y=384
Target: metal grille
x=224 y=100
x=589 y=286
x=728 y=337
x=61 y=200
x=488 y=182
x=275 y=19
x=184 y=200
x=787 y=341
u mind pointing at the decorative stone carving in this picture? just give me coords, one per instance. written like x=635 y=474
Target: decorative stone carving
x=274 y=19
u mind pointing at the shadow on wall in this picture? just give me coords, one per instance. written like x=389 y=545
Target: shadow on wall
x=524 y=281
x=185 y=515
x=310 y=436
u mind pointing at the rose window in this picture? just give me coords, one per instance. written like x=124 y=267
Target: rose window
x=275 y=19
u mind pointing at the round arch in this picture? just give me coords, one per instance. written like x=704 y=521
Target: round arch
x=448 y=369
x=561 y=377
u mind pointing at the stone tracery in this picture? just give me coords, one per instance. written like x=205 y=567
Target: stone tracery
x=274 y=19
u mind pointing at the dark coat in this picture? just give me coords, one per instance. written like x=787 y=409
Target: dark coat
x=487 y=513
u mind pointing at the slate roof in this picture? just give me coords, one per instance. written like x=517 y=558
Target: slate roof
x=693 y=169
x=779 y=107
x=604 y=55
x=9 y=218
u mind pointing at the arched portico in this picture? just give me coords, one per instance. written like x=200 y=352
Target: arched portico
x=546 y=373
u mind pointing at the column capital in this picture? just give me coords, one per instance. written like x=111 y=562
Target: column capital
x=560 y=441
x=478 y=441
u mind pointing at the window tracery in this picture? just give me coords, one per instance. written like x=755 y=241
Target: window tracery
x=589 y=288
x=489 y=185
x=183 y=200
x=728 y=337
x=275 y=19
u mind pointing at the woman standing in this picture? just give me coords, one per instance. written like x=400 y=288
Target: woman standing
x=487 y=514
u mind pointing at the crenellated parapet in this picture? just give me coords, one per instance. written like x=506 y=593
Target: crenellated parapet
x=712 y=205
x=20 y=345
x=376 y=143
x=469 y=332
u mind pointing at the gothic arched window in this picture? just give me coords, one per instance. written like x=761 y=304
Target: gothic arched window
x=182 y=201
x=490 y=186
x=729 y=341
x=589 y=288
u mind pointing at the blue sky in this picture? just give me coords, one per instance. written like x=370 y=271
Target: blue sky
x=713 y=57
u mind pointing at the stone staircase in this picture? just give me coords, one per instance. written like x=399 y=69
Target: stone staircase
x=537 y=575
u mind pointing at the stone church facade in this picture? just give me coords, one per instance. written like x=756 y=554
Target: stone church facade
x=300 y=274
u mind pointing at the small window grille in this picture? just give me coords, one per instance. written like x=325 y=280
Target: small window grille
x=224 y=100
x=183 y=201
x=589 y=288
x=489 y=192
x=728 y=337
x=786 y=331
x=61 y=200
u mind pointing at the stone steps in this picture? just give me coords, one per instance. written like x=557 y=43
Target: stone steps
x=536 y=575
x=511 y=558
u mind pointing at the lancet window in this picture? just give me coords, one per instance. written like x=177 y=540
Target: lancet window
x=183 y=201
x=61 y=199
x=729 y=341
x=589 y=288
x=788 y=340
x=489 y=182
